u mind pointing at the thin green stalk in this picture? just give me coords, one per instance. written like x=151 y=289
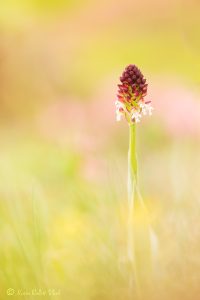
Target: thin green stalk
x=132 y=165
x=132 y=193
x=132 y=182
x=139 y=248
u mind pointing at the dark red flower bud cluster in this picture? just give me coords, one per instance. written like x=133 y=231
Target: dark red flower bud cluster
x=133 y=83
x=131 y=93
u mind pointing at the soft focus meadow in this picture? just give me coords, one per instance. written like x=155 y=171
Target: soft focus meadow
x=63 y=156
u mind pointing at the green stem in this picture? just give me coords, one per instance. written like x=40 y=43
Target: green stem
x=134 y=195
x=132 y=192
x=139 y=248
x=132 y=165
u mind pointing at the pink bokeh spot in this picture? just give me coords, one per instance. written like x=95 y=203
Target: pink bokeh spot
x=178 y=108
x=84 y=124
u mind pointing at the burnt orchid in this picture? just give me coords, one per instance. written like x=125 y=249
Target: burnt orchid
x=131 y=96
x=132 y=105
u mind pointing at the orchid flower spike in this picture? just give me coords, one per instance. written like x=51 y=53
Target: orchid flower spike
x=131 y=93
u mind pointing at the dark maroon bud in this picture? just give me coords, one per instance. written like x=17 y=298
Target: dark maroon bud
x=130 y=67
x=131 y=72
x=137 y=73
x=143 y=80
x=138 y=80
x=141 y=86
x=126 y=75
x=129 y=80
x=134 y=77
